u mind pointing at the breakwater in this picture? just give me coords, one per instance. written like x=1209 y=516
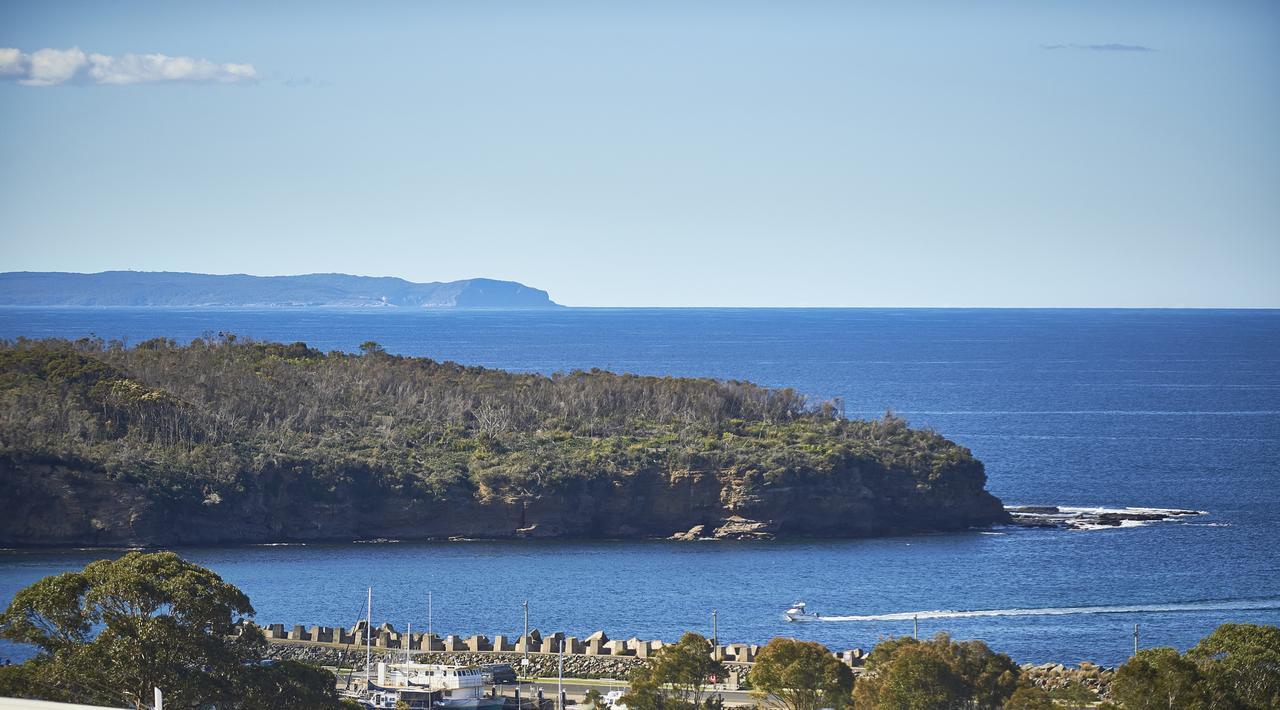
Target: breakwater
x=300 y=644
x=386 y=638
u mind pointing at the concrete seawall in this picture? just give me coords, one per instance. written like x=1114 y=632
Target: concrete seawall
x=598 y=644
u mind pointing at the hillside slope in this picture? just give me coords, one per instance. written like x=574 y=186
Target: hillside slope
x=232 y=441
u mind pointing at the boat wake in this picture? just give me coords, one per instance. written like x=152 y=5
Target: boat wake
x=1239 y=605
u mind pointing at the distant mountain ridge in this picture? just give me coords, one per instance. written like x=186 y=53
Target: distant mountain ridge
x=164 y=288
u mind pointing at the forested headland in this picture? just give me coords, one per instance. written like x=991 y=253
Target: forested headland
x=225 y=440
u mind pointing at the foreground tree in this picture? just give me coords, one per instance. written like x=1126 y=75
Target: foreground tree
x=1240 y=664
x=1159 y=678
x=800 y=675
x=1029 y=697
x=116 y=630
x=677 y=678
x=939 y=673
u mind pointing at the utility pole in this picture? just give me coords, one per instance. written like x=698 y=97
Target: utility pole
x=429 y=614
x=560 y=679
x=368 y=639
x=159 y=698
x=525 y=661
x=715 y=630
x=1135 y=639
x=915 y=626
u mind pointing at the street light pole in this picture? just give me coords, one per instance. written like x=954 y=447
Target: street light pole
x=368 y=638
x=715 y=629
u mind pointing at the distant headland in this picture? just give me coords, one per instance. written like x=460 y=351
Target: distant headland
x=179 y=289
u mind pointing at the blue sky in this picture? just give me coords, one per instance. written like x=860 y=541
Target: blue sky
x=661 y=153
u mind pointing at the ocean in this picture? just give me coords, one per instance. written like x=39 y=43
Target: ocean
x=1092 y=408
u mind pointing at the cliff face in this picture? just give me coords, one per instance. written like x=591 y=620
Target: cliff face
x=66 y=503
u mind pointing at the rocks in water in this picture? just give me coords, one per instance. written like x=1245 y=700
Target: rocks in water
x=739 y=528
x=694 y=533
x=734 y=527
x=1079 y=518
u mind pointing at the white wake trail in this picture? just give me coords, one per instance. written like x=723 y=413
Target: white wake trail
x=1241 y=605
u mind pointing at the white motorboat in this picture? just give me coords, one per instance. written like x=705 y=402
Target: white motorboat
x=797 y=612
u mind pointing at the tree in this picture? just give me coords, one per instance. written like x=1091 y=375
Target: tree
x=939 y=673
x=1159 y=678
x=920 y=679
x=677 y=678
x=1074 y=695
x=594 y=698
x=116 y=630
x=1240 y=664
x=800 y=675
x=1029 y=697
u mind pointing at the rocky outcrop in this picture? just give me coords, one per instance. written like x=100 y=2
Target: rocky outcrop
x=65 y=502
x=1074 y=518
x=1086 y=678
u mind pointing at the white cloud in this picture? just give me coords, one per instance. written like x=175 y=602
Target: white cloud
x=12 y=63
x=49 y=67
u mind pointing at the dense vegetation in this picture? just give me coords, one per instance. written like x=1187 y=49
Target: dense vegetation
x=197 y=422
x=116 y=630
x=1237 y=667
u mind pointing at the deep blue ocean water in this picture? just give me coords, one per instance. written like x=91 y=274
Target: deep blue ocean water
x=1153 y=408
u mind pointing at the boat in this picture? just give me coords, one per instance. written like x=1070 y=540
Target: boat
x=797 y=612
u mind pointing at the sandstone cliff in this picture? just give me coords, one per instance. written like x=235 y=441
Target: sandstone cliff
x=68 y=503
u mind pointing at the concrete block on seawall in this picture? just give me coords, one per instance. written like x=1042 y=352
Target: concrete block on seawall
x=531 y=644
x=431 y=642
x=502 y=644
x=551 y=644
x=618 y=648
x=478 y=644
x=454 y=643
x=298 y=633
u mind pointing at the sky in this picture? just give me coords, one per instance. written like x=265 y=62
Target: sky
x=1058 y=153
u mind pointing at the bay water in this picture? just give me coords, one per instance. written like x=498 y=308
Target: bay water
x=1091 y=408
